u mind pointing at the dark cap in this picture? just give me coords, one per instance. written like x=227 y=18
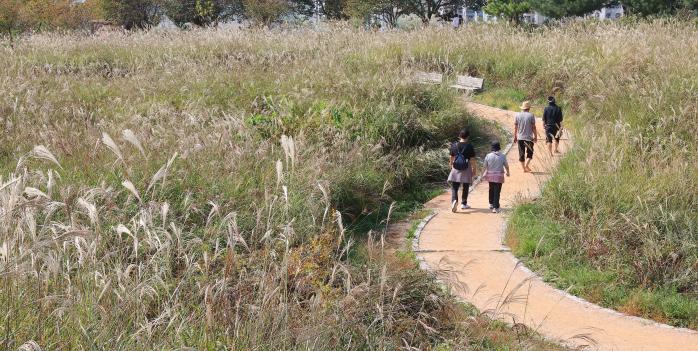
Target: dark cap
x=496 y=146
x=551 y=99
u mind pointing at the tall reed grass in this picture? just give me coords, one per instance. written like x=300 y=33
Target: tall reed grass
x=217 y=189
x=163 y=190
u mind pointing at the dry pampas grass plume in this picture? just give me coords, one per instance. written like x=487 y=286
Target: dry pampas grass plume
x=109 y=142
x=130 y=136
x=42 y=153
x=30 y=346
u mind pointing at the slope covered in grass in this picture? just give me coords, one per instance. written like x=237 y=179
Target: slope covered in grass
x=192 y=201
x=217 y=190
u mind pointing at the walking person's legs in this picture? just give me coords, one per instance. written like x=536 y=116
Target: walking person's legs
x=491 y=195
x=466 y=191
x=454 y=196
x=549 y=135
x=522 y=154
x=551 y=132
x=525 y=154
x=497 y=195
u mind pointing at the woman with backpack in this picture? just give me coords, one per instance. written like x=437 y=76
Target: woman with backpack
x=495 y=164
x=463 y=167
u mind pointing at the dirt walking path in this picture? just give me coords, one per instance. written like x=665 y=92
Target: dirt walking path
x=466 y=248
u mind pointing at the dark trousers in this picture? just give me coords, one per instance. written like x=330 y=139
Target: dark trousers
x=525 y=150
x=495 y=193
x=454 y=191
x=552 y=131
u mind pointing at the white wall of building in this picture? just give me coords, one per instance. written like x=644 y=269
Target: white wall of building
x=610 y=12
x=606 y=13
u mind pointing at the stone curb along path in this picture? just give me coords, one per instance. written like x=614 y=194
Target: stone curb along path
x=466 y=251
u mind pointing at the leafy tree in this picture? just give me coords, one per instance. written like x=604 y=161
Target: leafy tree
x=333 y=9
x=10 y=17
x=265 y=12
x=512 y=10
x=426 y=9
x=132 y=13
x=566 y=8
x=81 y=14
x=388 y=10
x=303 y=7
x=655 y=7
x=199 y=12
x=18 y=15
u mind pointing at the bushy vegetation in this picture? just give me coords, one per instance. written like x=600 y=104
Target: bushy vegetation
x=18 y=16
x=223 y=190
x=162 y=191
x=21 y=15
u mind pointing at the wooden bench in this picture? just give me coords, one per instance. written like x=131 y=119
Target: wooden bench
x=429 y=78
x=468 y=83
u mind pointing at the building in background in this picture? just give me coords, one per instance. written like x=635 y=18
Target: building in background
x=466 y=15
x=473 y=15
x=534 y=18
x=612 y=12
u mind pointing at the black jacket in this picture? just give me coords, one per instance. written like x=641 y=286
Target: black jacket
x=552 y=115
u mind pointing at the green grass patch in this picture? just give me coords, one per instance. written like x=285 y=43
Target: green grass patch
x=540 y=242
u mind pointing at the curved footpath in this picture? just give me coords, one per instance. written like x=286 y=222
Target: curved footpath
x=466 y=250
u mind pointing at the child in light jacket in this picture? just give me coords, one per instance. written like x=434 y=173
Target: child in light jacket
x=495 y=165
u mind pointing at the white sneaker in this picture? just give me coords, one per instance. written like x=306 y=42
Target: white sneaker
x=464 y=206
x=454 y=206
x=491 y=207
x=494 y=210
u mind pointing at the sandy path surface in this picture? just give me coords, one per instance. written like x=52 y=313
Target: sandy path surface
x=466 y=249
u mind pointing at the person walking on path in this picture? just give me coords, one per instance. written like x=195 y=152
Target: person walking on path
x=552 y=121
x=525 y=134
x=463 y=167
x=495 y=165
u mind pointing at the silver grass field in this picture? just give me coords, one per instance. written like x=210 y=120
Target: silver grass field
x=214 y=189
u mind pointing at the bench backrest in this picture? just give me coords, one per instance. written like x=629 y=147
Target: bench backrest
x=429 y=77
x=470 y=82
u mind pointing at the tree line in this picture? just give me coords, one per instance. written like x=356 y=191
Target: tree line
x=19 y=15
x=514 y=9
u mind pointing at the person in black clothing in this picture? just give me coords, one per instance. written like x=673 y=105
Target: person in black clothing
x=552 y=120
x=464 y=177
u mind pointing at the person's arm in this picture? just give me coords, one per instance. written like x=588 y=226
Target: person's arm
x=561 y=118
x=546 y=115
x=506 y=166
x=516 y=131
x=453 y=155
x=473 y=165
x=535 y=131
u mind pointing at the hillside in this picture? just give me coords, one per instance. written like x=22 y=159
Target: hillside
x=223 y=189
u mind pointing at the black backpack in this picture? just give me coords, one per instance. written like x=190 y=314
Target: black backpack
x=460 y=162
